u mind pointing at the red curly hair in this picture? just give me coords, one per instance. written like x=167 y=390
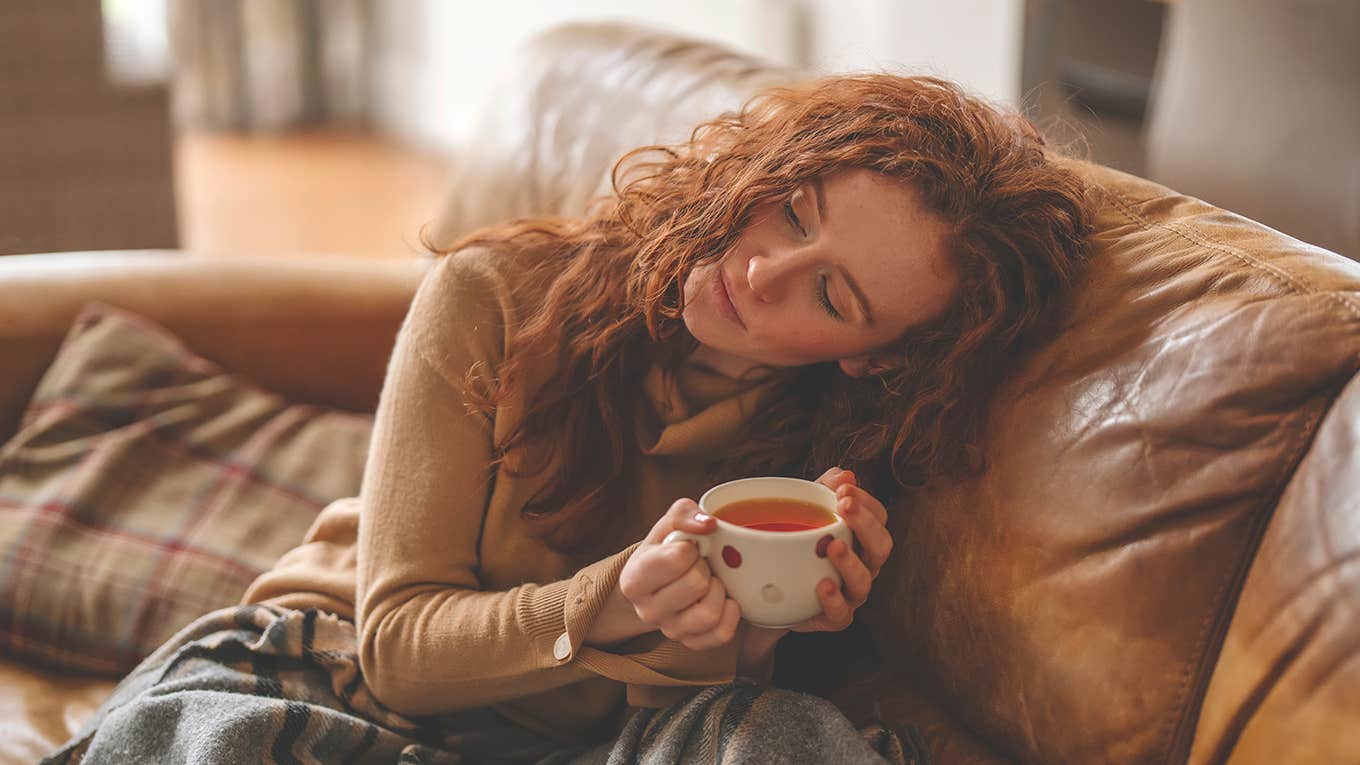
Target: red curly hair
x=1018 y=226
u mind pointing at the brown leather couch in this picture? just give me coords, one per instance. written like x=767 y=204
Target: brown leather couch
x=1162 y=563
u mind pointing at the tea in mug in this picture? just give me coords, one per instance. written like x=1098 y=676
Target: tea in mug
x=776 y=514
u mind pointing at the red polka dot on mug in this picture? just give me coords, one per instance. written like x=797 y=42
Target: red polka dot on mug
x=731 y=557
x=822 y=544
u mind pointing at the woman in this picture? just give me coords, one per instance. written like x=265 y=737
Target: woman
x=824 y=284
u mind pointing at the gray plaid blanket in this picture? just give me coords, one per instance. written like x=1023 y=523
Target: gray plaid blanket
x=260 y=684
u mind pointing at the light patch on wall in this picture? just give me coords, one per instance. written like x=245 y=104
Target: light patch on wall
x=136 y=45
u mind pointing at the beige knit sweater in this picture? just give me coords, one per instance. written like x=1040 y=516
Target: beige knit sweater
x=457 y=604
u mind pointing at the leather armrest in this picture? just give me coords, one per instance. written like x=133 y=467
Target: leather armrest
x=40 y=710
x=1287 y=684
x=317 y=329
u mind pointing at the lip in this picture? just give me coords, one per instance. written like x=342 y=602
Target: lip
x=726 y=306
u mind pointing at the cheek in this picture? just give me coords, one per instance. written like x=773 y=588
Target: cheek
x=691 y=287
x=693 y=293
x=700 y=316
x=796 y=343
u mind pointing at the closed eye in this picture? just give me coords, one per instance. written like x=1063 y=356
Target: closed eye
x=824 y=297
x=792 y=217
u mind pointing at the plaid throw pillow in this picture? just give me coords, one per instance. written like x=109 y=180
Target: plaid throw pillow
x=145 y=487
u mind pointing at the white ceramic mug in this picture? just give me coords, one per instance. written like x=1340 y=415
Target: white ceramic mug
x=772 y=575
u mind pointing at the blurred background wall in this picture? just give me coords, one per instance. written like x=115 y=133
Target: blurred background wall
x=420 y=69
x=330 y=125
x=432 y=57
x=85 y=136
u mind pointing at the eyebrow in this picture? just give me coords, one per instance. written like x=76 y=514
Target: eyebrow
x=818 y=194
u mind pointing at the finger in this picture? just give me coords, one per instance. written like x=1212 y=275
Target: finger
x=675 y=597
x=878 y=545
x=720 y=635
x=863 y=499
x=703 y=616
x=836 y=612
x=696 y=522
x=836 y=478
x=872 y=542
x=855 y=575
x=653 y=567
x=680 y=515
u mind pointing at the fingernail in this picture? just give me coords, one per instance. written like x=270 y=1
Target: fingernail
x=702 y=517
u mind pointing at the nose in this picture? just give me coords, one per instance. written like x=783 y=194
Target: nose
x=768 y=271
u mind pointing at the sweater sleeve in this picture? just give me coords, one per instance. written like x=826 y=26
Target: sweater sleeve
x=431 y=640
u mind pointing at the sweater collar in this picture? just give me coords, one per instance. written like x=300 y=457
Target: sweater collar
x=691 y=411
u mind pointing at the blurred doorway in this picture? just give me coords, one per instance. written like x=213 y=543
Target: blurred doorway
x=1087 y=75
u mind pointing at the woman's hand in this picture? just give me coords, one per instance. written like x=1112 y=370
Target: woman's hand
x=670 y=588
x=866 y=518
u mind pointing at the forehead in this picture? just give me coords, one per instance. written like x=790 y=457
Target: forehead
x=893 y=246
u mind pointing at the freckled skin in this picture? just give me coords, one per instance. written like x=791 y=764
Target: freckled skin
x=873 y=228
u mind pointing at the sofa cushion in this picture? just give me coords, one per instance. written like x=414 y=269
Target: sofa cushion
x=1287 y=684
x=1070 y=603
x=147 y=486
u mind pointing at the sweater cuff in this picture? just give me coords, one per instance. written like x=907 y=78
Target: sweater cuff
x=559 y=615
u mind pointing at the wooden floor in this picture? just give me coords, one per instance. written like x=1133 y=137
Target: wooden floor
x=340 y=193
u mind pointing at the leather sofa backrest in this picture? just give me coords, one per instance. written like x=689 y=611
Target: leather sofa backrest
x=1069 y=604
x=577 y=98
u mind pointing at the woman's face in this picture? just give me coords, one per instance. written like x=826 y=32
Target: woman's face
x=841 y=267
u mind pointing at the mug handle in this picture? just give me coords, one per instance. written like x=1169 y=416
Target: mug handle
x=700 y=540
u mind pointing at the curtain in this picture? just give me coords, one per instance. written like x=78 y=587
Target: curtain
x=269 y=65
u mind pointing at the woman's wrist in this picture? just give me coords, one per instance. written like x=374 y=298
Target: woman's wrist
x=616 y=622
x=755 y=656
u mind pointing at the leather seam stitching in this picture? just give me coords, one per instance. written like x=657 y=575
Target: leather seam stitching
x=1295 y=283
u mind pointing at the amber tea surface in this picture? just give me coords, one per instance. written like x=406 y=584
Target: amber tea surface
x=776 y=514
